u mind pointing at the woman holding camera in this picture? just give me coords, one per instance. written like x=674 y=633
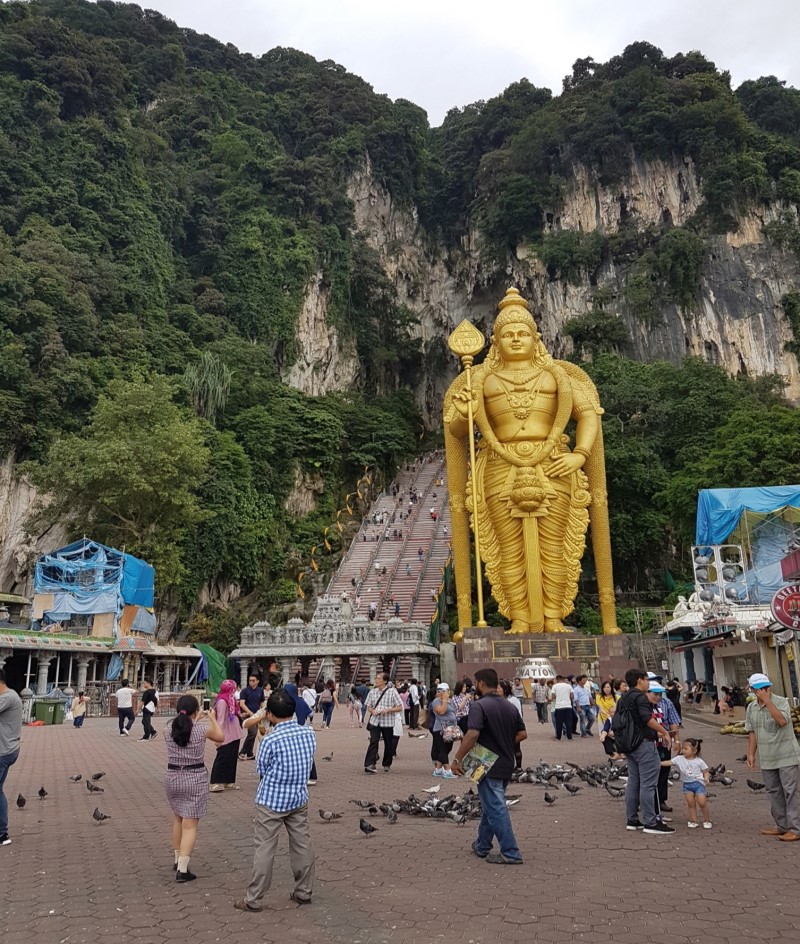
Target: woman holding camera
x=186 y=779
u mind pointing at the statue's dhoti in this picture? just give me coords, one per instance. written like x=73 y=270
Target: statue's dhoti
x=533 y=534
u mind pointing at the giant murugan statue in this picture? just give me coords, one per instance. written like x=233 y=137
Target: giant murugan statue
x=528 y=496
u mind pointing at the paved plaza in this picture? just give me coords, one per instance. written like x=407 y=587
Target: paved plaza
x=66 y=880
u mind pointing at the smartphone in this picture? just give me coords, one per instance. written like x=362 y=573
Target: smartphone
x=206 y=704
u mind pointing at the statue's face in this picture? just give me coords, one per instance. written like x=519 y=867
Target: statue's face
x=515 y=342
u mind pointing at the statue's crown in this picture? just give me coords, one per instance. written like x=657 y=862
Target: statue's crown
x=514 y=310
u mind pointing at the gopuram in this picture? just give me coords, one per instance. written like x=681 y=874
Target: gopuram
x=526 y=494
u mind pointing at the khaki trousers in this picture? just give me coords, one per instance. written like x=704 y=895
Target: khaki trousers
x=265 y=839
x=783 y=787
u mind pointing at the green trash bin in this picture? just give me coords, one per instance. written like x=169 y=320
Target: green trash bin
x=58 y=712
x=44 y=711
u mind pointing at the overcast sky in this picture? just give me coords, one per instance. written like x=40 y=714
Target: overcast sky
x=446 y=53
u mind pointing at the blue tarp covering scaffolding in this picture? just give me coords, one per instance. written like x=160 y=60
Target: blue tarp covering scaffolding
x=86 y=577
x=765 y=521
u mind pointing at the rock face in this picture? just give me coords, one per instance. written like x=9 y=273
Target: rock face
x=18 y=550
x=325 y=361
x=737 y=321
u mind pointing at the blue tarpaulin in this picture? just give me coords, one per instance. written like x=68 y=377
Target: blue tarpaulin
x=761 y=519
x=720 y=509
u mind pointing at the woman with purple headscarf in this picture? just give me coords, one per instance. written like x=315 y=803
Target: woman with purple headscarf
x=226 y=709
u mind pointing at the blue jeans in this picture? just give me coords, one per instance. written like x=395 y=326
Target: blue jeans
x=5 y=762
x=78 y=722
x=327 y=711
x=644 y=766
x=586 y=718
x=495 y=820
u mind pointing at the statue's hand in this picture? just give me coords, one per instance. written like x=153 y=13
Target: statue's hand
x=565 y=465
x=461 y=402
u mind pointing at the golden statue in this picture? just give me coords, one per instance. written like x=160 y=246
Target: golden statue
x=527 y=495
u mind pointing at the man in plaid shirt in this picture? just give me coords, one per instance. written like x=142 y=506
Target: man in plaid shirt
x=284 y=763
x=382 y=705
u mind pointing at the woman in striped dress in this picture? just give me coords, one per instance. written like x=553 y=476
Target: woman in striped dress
x=186 y=779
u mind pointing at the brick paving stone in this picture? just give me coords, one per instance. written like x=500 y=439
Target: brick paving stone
x=585 y=879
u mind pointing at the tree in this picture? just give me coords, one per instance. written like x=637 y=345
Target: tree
x=131 y=481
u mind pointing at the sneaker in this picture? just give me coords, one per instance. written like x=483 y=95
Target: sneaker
x=311 y=783
x=437 y=771
x=154 y=735
x=707 y=825
x=474 y=847
x=386 y=770
x=665 y=819
x=449 y=775
x=659 y=829
x=4 y=840
x=665 y=808
x=370 y=770
x=634 y=824
x=692 y=825
x=124 y=733
x=186 y=876
x=145 y=738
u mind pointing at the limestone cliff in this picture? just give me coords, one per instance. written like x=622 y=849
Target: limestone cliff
x=736 y=321
x=18 y=549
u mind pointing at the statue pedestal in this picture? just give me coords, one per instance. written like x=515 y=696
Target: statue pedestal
x=570 y=653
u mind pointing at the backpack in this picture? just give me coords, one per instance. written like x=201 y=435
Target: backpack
x=626 y=727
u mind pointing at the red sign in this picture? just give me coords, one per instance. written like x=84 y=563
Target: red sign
x=786 y=606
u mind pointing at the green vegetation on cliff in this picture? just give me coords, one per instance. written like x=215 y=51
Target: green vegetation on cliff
x=166 y=201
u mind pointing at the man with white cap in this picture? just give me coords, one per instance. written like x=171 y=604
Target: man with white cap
x=769 y=725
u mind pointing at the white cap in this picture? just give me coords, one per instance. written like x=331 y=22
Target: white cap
x=442 y=687
x=759 y=680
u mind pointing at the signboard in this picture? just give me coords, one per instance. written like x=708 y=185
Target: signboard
x=582 y=648
x=785 y=606
x=507 y=650
x=535 y=668
x=545 y=648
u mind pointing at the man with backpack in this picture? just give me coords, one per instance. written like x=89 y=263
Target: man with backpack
x=636 y=733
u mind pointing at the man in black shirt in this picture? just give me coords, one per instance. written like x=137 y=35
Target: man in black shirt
x=494 y=723
x=644 y=763
x=251 y=700
x=149 y=705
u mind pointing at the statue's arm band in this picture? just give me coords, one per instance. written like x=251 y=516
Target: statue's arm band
x=582 y=452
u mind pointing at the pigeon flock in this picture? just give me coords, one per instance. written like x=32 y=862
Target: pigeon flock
x=611 y=777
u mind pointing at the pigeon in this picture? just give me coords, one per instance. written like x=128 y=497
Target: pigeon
x=550 y=800
x=21 y=801
x=99 y=776
x=742 y=759
x=42 y=793
x=366 y=827
x=755 y=785
x=93 y=789
x=363 y=804
x=726 y=781
x=615 y=792
x=373 y=810
x=432 y=790
x=329 y=756
x=76 y=778
x=327 y=815
x=423 y=735
x=97 y=815
x=391 y=817
x=571 y=789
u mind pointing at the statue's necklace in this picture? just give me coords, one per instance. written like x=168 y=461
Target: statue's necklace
x=520 y=399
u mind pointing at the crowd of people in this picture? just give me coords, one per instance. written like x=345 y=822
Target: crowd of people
x=638 y=721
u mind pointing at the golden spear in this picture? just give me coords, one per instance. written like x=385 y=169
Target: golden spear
x=466 y=342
